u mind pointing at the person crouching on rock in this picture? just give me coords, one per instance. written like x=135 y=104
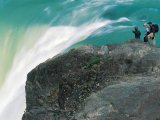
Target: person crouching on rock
x=137 y=33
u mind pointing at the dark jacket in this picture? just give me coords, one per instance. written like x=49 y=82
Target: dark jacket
x=137 y=34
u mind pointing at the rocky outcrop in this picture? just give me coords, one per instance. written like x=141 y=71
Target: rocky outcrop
x=135 y=99
x=112 y=82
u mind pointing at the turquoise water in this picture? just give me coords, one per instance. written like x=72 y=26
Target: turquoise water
x=33 y=31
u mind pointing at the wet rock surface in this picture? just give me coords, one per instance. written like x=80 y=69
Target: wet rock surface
x=111 y=82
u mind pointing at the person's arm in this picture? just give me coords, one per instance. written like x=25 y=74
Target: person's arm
x=133 y=31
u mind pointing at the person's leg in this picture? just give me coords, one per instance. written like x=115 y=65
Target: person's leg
x=145 y=38
x=150 y=36
x=154 y=41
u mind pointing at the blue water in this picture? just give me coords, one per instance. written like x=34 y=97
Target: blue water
x=33 y=31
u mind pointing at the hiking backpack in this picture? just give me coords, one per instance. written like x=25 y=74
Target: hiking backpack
x=156 y=28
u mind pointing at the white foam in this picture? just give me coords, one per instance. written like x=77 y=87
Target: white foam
x=52 y=42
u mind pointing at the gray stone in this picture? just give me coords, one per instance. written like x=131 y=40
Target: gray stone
x=110 y=82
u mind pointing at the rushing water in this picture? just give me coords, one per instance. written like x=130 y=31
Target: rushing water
x=31 y=31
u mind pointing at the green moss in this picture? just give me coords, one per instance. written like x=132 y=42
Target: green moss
x=94 y=60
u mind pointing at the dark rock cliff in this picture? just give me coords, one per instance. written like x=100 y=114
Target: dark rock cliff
x=112 y=82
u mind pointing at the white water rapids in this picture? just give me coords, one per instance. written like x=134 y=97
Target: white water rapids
x=53 y=41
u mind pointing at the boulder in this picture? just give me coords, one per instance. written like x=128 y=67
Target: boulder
x=96 y=83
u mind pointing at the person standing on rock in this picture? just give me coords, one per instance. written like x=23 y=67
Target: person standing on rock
x=145 y=25
x=137 y=33
x=153 y=29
